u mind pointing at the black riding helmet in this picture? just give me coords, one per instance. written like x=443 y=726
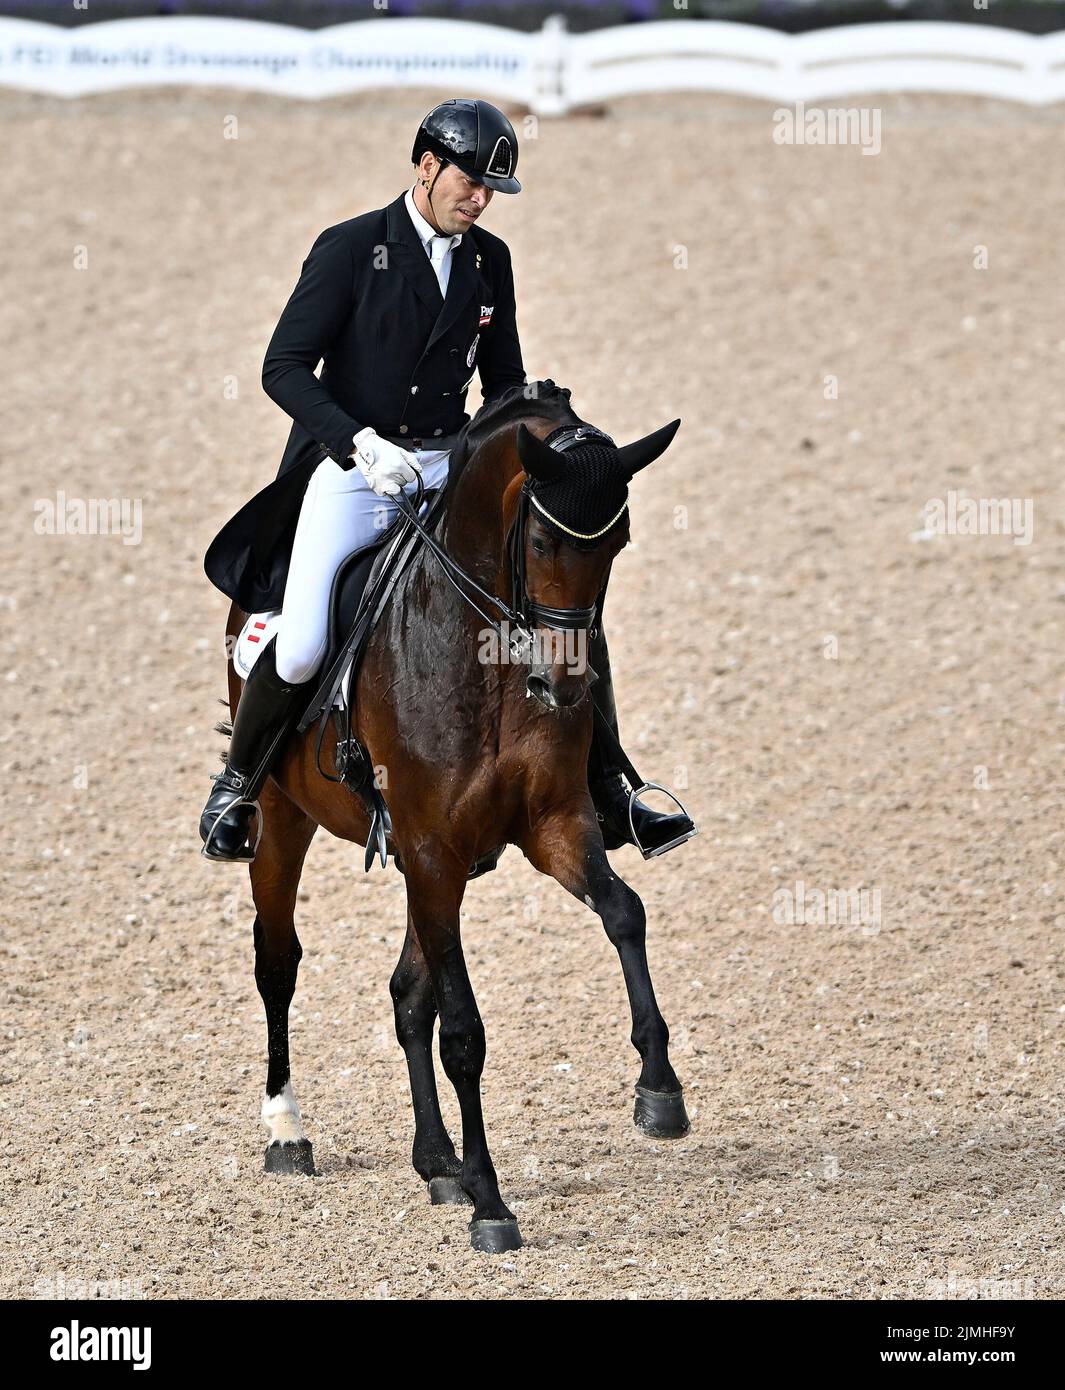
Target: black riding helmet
x=476 y=137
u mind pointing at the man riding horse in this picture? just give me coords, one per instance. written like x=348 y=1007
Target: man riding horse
x=399 y=353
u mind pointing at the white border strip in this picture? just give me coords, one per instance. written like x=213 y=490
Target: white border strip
x=549 y=72
x=858 y=58
x=250 y=56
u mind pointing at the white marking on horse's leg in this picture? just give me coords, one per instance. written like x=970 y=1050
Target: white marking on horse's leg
x=281 y=1116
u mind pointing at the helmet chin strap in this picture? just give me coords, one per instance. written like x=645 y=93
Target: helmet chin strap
x=429 y=187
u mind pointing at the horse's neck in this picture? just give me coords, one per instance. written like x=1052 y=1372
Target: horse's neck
x=472 y=537
x=473 y=528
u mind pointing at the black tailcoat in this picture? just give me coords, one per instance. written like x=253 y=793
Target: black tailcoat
x=395 y=354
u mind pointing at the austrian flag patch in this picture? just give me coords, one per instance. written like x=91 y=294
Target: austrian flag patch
x=486 y=315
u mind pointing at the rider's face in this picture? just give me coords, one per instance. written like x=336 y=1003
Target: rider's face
x=457 y=201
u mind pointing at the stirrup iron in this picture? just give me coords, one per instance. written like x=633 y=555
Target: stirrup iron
x=634 y=795
x=376 y=842
x=247 y=856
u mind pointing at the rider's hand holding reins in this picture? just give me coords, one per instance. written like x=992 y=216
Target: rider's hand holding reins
x=386 y=467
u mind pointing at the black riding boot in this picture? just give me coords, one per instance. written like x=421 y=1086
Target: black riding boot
x=264 y=711
x=612 y=779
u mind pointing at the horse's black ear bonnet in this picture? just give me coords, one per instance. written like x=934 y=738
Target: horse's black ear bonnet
x=588 y=497
x=578 y=479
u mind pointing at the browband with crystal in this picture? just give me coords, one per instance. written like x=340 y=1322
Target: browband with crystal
x=580 y=535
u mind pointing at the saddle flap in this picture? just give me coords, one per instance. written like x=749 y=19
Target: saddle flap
x=350 y=583
x=253 y=637
x=369 y=573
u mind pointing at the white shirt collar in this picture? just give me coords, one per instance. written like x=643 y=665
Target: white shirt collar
x=426 y=231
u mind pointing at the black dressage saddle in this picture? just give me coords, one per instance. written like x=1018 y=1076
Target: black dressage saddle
x=349 y=585
x=361 y=586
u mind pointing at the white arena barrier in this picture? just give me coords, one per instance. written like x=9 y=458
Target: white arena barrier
x=548 y=72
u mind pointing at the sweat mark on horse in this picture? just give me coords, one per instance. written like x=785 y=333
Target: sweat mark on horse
x=473 y=763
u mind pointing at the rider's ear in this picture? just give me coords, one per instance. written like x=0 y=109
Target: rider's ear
x=538 y=459
x=633 y=457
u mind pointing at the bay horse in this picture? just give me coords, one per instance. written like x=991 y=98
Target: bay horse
x=471 y=763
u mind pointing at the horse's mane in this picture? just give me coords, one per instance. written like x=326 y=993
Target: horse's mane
x=540 y=399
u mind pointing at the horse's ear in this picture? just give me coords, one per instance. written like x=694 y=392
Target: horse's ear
x=538 y=459
x=633 y=457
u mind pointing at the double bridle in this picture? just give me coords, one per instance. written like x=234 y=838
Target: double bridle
x=522 y=613
x=530 y=613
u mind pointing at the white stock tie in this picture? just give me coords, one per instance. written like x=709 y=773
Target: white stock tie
x=439 y=246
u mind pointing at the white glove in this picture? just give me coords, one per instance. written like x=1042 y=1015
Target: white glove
x=386 y=467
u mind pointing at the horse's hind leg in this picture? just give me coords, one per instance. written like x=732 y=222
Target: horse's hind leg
x=433 y=1154
x=568 y=846
x=275 y=876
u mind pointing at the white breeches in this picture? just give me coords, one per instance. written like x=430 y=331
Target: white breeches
x=339 y=514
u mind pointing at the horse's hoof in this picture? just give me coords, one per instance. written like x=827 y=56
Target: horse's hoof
x=291 y=1156
x=661 y=1114
x=495 y=1237
x=448 y=1192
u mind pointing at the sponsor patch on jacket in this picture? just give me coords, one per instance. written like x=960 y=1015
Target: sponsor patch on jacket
x=486 y=314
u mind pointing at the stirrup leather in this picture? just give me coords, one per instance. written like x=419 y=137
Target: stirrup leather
x=634 y=795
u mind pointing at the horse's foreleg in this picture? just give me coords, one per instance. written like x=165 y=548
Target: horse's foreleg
x=569 y=846
x=275 y=876
x=436 y=881
x=433 y=1154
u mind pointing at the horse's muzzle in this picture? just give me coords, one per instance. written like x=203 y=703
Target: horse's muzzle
x=563 y=694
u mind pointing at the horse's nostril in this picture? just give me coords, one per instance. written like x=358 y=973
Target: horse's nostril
x=537 y=686
x=563 y=696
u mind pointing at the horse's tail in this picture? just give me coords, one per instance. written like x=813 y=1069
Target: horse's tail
x=225 y=728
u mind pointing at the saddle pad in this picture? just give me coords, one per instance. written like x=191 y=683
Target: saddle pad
x=254 y=636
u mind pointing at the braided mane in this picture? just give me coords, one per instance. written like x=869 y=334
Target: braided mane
x=543 y=399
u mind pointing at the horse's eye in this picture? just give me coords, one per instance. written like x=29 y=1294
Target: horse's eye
x=539 y=548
